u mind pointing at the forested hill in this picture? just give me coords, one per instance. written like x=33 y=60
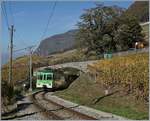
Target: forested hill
x=140 y=9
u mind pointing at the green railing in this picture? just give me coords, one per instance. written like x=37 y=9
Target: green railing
x=107 y=55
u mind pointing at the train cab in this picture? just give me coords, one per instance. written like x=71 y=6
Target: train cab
x=44 y=78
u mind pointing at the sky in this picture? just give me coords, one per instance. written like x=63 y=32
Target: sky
x=30 y=19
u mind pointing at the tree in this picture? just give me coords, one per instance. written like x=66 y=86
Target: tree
x=128 y=32
x=96 y=28
x=107 y=29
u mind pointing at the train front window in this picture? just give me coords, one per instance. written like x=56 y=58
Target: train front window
x=49 y=77
x=44 y=77
x=40 y=77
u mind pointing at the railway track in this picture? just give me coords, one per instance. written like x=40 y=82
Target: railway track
x=37 y=99
x=56 y=111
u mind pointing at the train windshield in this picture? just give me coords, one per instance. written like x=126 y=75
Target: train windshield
x=49 y=77
x=40 y=77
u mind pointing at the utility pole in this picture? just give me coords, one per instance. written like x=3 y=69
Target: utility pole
x=30 y=62
x=30 y=66
x=10 y=55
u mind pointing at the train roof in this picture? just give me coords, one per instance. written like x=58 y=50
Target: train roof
x=46 y=71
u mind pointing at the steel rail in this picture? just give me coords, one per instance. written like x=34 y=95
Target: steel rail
x=70 y=109
x=47 y=113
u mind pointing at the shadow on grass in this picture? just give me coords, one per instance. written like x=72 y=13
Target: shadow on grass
x=100 y=98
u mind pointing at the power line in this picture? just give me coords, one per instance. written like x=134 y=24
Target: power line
x=19 y=50
x=24 y=48
x=13 y=20
x=5 y=14
x=46 y=28
x=30 y=49
x=10 y=9
x=49 y=19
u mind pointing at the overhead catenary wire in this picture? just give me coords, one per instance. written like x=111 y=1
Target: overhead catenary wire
x=4 y=10
x=10 y=9
x=48 y=22
x=49 y=19
x=5 y=14
x=13 y=21
x=30 y=48
x=24 y=48
x=11 y=29
x=19 y=49
x=45 y=30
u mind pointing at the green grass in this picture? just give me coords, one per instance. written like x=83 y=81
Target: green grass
x=125 y=111
x=83 y=91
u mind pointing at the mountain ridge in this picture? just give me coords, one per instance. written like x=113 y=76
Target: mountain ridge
x=57 y=43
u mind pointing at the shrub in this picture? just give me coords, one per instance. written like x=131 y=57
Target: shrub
x=129 y=72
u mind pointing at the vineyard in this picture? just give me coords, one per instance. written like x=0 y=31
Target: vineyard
x=128 y=74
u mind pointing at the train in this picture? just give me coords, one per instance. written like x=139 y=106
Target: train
x=54 y=78
x=44 y=78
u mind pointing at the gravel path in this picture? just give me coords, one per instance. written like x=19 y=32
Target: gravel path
x=29 y=111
